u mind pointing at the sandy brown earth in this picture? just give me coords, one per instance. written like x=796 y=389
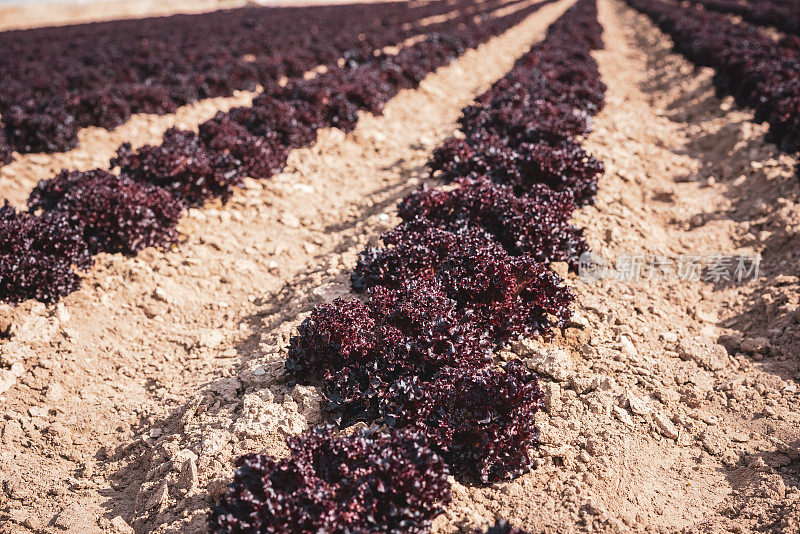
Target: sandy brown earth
x=671 y=405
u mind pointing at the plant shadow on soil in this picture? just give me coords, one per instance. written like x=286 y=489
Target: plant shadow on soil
x=392 y=193
x=755 y=178
x=760 y=187
x=284 y=306
x=288 y=305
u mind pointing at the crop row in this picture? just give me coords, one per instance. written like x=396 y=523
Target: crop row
x=781 y=14
x=54 y=81
x=464 y=273
x=757 y=70
x=140 y=206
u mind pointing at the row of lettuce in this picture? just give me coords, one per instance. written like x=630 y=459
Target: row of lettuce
x=781 y=14
x=54 y=81
x=139 y=200
x=464 y=273
x=758 y=70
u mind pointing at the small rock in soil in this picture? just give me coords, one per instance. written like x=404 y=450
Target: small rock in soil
x=554 y=362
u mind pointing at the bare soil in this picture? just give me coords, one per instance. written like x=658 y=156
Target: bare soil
x=671 y=405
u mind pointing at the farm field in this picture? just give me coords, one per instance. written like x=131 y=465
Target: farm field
x=486 y=265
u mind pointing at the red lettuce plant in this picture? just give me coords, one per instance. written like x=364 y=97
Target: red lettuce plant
x=115 y=214
x=39 y=256
x=5 y=149
x=556 y=73
x=259 y=156
x=100 y=107
x=533 y=120
x=480 y=420
x=506 y=296
x=537 y=224
x=330 y=96
x=295 y=123
x=183 y=165
x=370 y=482
x=51 y=130
x=357 y=350
x=562 y=167
x=150 y=99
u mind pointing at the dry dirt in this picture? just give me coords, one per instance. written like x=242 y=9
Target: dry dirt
x=671 y=404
